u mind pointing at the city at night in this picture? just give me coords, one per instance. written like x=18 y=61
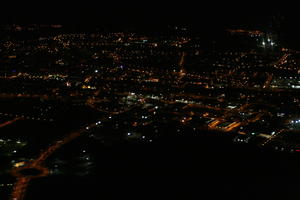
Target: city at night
x=149 y=101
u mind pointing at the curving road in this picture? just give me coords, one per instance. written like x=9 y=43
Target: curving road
x=10 y=122
x=23 y=180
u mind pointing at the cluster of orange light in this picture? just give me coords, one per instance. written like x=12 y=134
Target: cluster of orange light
x=241 y=31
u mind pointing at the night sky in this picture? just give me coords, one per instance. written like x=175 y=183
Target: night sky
x=203 y=16
x=187 y=11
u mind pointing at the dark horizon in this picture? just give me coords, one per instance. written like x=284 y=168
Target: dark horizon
x=207 y=19
x=184 y=12
x=201 y=16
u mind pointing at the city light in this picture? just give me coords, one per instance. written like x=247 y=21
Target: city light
x=82 y=103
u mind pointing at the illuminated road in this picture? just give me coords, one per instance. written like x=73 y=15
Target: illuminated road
x=10 y=122
x=281 y=61
x=268 y=80
x=22 y=181
x=181 y=61
x=13 y=95
x=20 y=188
x=272 y=137
x=182 y=72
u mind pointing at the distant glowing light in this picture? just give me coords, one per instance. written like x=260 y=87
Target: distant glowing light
x=20 y=164
x=273 y=133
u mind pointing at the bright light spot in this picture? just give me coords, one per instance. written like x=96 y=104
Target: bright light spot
x=96 y=71
x=263 y=43
x=68 y=84
x=273 y=133
x=128 y=134
x=19 y=164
